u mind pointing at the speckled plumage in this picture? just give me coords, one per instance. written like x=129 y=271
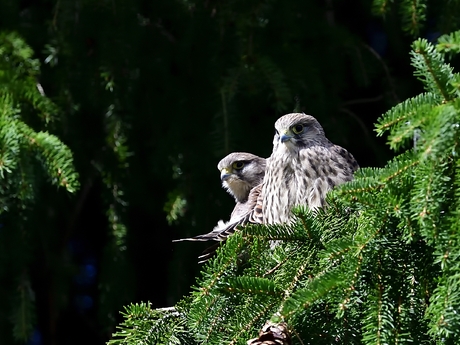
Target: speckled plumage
x=303 y=167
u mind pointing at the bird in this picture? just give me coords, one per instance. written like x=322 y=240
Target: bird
x=303 y=167
x=240 y=172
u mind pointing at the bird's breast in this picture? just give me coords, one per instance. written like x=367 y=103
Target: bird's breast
x=301 y=179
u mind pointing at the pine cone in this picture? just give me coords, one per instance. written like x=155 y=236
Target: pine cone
x=272 y=334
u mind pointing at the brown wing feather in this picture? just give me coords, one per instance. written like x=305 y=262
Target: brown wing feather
x=350 y=161
x=256 y=215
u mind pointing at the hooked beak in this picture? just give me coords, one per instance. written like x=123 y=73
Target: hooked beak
x=224 y=174
x=285 y=137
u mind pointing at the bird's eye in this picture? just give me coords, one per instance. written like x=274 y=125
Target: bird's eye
x=276 y=132
x=238 y=165
x=297 y=129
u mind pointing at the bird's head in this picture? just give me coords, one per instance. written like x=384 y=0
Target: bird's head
x=297 y=130
x=240 y=172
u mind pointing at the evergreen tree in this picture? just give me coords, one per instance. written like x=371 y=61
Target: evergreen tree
x=379 y=266
x=149 y=95
x=28 y=159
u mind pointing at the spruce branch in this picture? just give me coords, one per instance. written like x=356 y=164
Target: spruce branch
x=19 y=73
x=250 y=285
x=16 y=137
x=441 y=312
x=304 y=298
x=249 y=327
x=206 y=297
x=413 y=13
x=142 y=324
x=57 y=159
x=428 y=202
x=369 y=181
x=380 y=7
x=449 y=44
x=9 y=139
x=404 y=118
x=279 y=264
x=431 y=69
x=283 y=232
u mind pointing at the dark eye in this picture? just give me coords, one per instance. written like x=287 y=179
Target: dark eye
x=238 y=165
x=276 y=132
x=297 y=129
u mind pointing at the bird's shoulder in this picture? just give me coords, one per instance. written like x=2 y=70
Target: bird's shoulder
x=344 y=157
x=327 y=152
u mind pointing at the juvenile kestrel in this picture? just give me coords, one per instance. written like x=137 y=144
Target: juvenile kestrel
x=239 y=173
x=303 y=167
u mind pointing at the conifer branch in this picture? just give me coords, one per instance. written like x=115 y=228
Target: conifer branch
x=431 y=69
x=274 y=233
x=449 y=43
x=279 y=264
x=288 y=291
x=251 y=324
x=250 y=285
x=213 y=324
x=380 y=7
x=403 y=114
x=217 y=275
x=57 y=158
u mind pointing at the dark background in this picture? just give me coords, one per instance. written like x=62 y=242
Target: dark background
x=152 y=94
